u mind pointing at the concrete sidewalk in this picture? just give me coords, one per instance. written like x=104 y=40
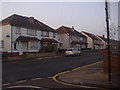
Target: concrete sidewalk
x=90 y=75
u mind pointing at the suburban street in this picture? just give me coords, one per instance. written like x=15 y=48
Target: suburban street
x=45 y=67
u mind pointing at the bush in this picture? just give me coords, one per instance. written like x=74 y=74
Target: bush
x=49 y=48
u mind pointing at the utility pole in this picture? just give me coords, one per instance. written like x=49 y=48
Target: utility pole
x=108 y=41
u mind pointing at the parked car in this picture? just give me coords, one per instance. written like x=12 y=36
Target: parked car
x=72 y=52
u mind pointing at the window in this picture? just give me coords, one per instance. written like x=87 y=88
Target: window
x=2 y=43
x=41 y=33
x=18 y=30
x=15 y=46
x=31 y=32
x=81 y=38
x=33 y=45
x=53 y=35
x=45 y=33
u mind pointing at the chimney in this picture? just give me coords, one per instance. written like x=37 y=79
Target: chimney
x=72 y=27
x=103 y=36
x=31 y=19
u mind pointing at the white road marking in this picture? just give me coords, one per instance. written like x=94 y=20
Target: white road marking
x=56 y=56
x=6 y=84
x=46 y=57
x=24 y=86
x=49 y=77
x=20 y=81
x=39 y=58
x=36 y=78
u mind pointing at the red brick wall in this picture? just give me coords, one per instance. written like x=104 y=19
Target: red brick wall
x=14 y=54
x=115 y=62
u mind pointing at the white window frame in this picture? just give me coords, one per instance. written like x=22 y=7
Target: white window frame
x=34 y=45
x=81 y=38
x=2 y=43
x=31 y=32
x=44 y=33
x=18 y=30
x=54 y=35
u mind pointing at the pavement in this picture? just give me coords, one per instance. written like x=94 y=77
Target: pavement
x=89 y=76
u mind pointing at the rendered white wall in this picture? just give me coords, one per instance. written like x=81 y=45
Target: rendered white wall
x=0 y=38
x=64 y=39
x=6 y=30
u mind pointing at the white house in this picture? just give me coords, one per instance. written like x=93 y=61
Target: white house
x=22 y=34
x=70 y=38
x=93 y=41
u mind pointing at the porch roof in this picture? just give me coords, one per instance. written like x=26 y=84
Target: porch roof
x=23 y=38
x=48 y=40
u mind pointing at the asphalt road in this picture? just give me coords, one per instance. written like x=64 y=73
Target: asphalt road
x=44 y=67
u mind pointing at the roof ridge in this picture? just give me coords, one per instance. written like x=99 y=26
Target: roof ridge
x=23 y=21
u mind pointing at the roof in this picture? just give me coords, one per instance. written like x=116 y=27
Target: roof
x=91 y=35
x=65 y=30
x=23 y=38
x=48 y=40
x=27 y=22
x=103 y=38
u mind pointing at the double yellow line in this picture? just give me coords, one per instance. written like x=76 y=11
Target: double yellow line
x=57 y=75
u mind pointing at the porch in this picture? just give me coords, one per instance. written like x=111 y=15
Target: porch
x=49 y=45
x=24 y=45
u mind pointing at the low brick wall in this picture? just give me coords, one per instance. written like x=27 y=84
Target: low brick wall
x=15 y=56
x=115 y=62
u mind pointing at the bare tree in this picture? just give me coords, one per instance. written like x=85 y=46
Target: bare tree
x=113 y=31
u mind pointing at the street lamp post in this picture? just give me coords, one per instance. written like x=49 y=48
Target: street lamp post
x=108 y=41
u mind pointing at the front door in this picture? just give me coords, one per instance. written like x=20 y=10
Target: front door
x=23 y=47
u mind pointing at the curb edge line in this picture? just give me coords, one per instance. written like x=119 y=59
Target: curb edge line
x=65 y=83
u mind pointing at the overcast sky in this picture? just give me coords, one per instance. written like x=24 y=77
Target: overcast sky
x=84 y=16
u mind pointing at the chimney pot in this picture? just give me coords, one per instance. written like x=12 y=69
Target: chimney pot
x=103 y=35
